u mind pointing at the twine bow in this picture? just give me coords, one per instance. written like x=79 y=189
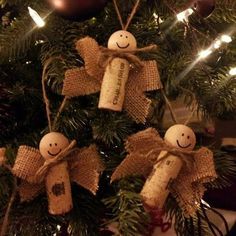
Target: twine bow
x=85 y=167
x=188 y=188
x=144 y=76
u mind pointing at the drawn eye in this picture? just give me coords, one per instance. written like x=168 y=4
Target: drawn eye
x=121 y=35
x=126 y=36
x=50 y=144
x=188 y=137
x=55 y=144
x=182 y=134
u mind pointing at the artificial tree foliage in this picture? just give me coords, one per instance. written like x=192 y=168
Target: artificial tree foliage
x=24 y=48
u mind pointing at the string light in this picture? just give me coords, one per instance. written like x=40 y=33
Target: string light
x=40 y=41
x=226 y=38
x=155 y=15
x=232 y=71
x=36 y=17
x=204 y=53
x=183 y=16
x=217 y=44
x=157 y=18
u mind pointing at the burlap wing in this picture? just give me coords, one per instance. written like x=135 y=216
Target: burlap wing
x=28 y=161
x=140 y=80
x=85 y=80
x=89 y=50
x=29 y=191
x=77 y=82
x=86 y=169
x=188 y=188
x=137 y=161
x=136 y=104
x=150 y=76
x=205 y=166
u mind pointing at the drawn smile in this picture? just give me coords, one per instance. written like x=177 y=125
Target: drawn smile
x=183 y=146
x=54 y=154
x=122 y=47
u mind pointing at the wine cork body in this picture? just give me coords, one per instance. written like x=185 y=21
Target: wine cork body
x=113 y=85
x=59 y=189
x=156 y=189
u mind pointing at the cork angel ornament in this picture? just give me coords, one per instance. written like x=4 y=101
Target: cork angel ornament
x=53 y=166
x=120 y=76
x=170 y=165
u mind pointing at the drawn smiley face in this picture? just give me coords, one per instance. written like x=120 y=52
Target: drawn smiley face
x=122 y=40
x=181 y=137
x=52 y=144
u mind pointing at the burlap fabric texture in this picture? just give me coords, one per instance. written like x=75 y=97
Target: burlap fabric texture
x=85 y=168
x=143 y=77
x=143 y=150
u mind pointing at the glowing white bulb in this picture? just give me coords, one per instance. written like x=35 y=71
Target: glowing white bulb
x=226 y=38
x=157 y=18
x=205 y=203
x=217 y=44
x=232 y=71
x=155 y=15
x=36 y=17
x=204 y=53
x=183 y=16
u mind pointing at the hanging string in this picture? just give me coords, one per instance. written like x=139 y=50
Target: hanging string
x=45 y=98
x=41 y=173
x=134 y=10
x=63 y=104
x=195 y=106
x=191 y=114
x=132 y=14
x=11 y=201
x=118 y=14
x=173 y=116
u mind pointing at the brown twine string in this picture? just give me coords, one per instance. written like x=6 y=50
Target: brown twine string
x=132 y=14
x=144 y=49
x=191 y=115
x=182 y=154
x=13 y=195
x=108 y=55
x=6 y=217
x=63 y=104
x=45 y=98
x=134 y=10
x=43 y=170
x=173 y=116
x=193 y=97
x=118 y=14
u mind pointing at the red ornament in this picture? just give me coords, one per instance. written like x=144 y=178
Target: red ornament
x=77 y=9
x=205 y=7
x=157 y=220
